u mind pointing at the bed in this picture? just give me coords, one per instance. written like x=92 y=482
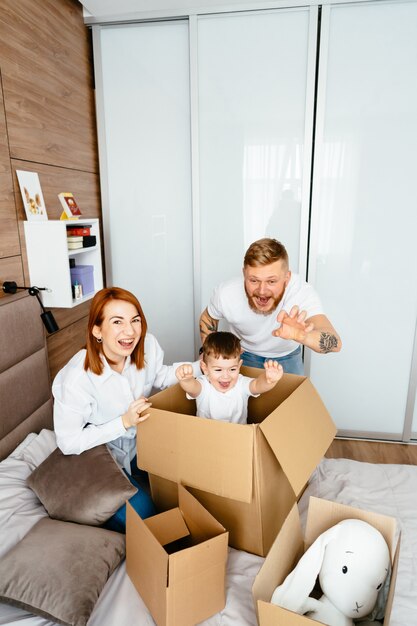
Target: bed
x=26 y=439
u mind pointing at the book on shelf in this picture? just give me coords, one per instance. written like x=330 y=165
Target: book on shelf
x=70 y=206
x=79 y=231
x=74 y=239
x=74 y=245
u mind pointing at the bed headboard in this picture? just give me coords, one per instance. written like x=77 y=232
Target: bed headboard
x=25 y=385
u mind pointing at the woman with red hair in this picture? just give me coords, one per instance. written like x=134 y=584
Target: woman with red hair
x=101 y=395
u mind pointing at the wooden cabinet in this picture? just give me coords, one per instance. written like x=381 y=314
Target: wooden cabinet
x=49 y=260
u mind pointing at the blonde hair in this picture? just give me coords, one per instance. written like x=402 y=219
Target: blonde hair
x=264 y=252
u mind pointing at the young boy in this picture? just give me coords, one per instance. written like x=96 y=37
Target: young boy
x=222 y=393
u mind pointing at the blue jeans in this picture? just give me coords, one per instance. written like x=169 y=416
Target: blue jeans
x=141 y=502
x=292 y=363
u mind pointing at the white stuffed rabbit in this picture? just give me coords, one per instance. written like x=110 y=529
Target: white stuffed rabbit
x=352 y=561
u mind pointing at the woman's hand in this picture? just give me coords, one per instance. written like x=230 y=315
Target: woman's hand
x=133 y=415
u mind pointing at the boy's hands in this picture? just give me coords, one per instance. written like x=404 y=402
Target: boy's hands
x=273 y=371
x=184 y=372
x=133 y=415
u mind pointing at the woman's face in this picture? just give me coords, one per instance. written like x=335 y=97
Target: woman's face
x=120 y=331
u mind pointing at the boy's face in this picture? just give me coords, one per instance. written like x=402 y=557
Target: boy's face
x=222 y=373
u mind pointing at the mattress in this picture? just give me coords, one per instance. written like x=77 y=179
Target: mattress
x=387 y=489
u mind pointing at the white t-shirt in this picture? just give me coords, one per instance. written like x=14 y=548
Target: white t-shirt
x=88 y=407
x=229 y=302
x=231 y=406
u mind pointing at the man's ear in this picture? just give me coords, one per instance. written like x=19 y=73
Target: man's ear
x=287 y=278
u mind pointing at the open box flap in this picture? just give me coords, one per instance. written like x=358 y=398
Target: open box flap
x=299 y=432
x=323 y=514
x=212 y=456
x=285 y=552
x=168 y=526
x=145 y=554
x=201 y=524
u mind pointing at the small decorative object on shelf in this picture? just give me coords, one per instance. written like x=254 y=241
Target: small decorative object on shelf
x=71 y=209
x=30 y=188
x=82 y=264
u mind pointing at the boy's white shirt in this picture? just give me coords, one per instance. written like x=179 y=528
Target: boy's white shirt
x=230 y=406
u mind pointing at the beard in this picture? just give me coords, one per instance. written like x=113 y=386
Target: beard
x=254 y=308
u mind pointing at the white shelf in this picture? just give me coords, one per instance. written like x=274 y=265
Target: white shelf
x=48 y=259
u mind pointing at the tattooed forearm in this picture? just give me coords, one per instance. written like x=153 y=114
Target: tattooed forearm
x=207 y=324
x=327 y=342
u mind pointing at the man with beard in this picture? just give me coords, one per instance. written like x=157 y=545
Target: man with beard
x=270 y=293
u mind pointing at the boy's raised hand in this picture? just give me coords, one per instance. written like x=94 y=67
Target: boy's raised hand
x=273 y=371
x=184 y=372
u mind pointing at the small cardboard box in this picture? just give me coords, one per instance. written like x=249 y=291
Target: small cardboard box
x=177 y=562
x=290 y=545
x=248 y=476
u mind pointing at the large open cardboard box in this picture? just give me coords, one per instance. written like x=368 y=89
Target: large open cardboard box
x=247 y=476
x=290 y=545
x=177 y=562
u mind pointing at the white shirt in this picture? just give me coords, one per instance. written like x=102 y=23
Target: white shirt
x=231 y=406
x=88 y=408
x=229 y=302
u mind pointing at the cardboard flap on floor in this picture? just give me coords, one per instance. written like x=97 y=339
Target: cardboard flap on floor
x=210 y=455
x=300 y=423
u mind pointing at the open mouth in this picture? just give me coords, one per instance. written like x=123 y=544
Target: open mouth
x=224 y=385
x=126 y=343
x=262 y=301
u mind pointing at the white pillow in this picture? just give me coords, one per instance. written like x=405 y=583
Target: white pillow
x=20 y=508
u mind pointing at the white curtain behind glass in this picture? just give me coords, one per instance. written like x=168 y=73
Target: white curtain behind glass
x=364 y=220
x=252 y=87
x=145 y=123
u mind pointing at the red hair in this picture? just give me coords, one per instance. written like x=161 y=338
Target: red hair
x=93 y=360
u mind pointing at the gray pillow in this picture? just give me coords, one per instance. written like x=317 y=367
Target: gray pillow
x=59 y=569
x=86 y=488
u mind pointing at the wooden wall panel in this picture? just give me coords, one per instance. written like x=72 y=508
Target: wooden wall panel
x=63 y=345
x=9 y=234
x=84 y=185
x=48 y=126
x=10 y=269
x=45 y=56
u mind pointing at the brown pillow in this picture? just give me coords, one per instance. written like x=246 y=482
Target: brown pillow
x=86 y=488
x=59 y=569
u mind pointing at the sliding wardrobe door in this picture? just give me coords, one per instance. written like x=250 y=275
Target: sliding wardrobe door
x=255 y=109
x=363 y=258
x=143 y=102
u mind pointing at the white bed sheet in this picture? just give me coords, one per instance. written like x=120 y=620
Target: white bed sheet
x=387 y=489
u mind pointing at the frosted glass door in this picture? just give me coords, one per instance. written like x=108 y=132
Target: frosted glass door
x=364 y=219
x=255 y=84
x=144 y=124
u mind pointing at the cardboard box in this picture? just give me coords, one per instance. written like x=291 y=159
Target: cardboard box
x=247 y=476
x=290 y=545
x=177 y=562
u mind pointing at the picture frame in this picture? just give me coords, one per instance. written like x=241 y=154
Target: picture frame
x=32 y=196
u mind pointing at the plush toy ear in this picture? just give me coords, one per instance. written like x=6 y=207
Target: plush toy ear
x=296 y=588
